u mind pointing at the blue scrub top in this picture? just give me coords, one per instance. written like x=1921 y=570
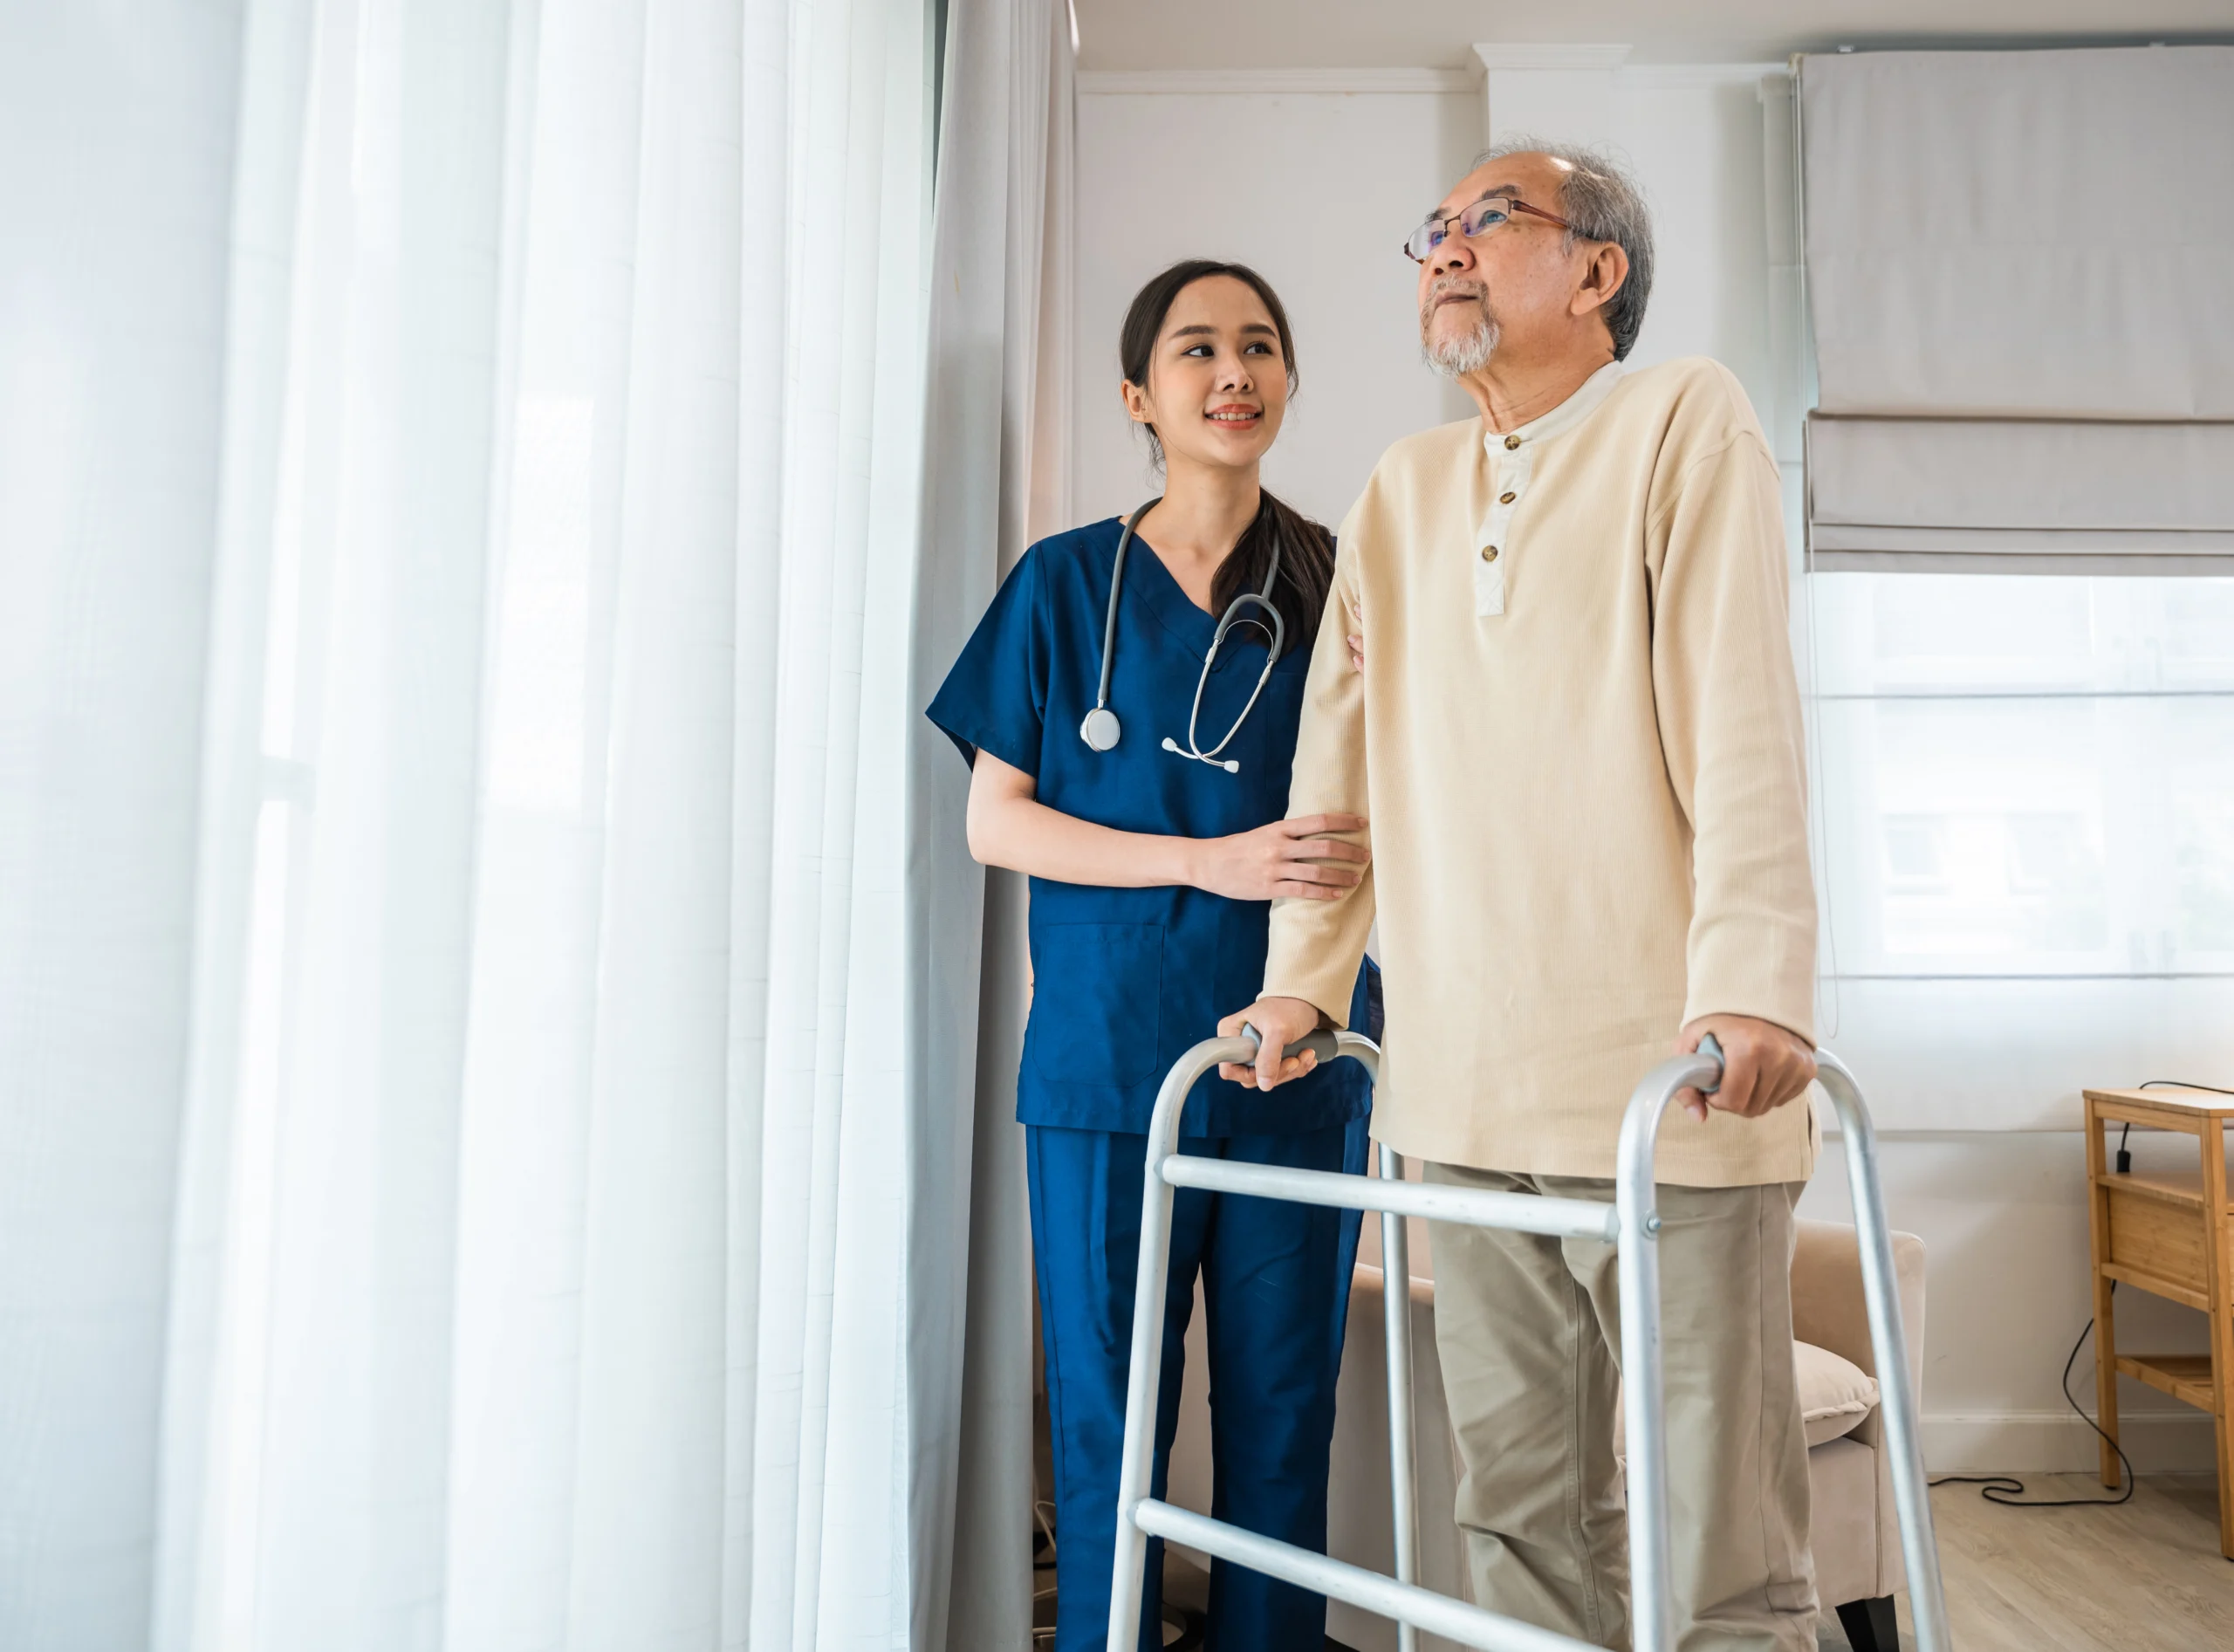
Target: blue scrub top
x=1127 y=980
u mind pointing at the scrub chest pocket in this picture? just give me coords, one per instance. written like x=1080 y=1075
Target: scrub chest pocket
x=1097 y=1002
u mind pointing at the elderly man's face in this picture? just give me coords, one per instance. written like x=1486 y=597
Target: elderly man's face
x=1510 y=287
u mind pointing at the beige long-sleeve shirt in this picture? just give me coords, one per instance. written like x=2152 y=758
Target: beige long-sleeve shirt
x=1577 y=742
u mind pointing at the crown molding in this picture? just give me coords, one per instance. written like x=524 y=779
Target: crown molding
x=1703 y=74
x=1497 y=54
x=1150 y=83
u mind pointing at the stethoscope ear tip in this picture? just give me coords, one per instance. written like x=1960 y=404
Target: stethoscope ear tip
x=1232 y=765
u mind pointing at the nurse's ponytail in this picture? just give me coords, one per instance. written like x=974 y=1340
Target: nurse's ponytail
x=1306 y=548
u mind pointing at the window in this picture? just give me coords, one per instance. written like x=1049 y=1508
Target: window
x=2024 y=775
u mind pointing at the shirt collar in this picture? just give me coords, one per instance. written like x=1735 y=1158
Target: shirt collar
x=1570 y=413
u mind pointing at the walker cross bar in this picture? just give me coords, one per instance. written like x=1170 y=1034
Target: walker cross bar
x=1631 y=1223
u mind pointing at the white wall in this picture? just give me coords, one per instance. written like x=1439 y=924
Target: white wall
x=1316 y=187
x=1315 y=190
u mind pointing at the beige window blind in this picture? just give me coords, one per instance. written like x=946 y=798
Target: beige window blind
x=2020 y=279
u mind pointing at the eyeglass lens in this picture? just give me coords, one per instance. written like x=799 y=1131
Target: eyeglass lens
x=1481 y=216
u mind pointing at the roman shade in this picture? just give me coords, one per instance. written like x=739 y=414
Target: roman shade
x=2020 y=278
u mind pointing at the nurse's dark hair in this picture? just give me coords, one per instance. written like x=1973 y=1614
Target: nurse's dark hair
x=1306 y=548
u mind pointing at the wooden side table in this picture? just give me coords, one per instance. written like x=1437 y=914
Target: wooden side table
x=2171 y=1234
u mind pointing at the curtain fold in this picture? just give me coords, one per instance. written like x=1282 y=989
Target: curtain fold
x=483 y=1163
x=116 y=163
x=999 y=347
x=1997 y=245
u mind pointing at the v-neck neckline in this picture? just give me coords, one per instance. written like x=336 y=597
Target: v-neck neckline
x=1167 y=598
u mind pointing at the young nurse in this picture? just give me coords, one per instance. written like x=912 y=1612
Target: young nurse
x=1128 y=707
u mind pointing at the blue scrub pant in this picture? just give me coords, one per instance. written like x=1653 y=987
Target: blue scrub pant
x=1276 y=1283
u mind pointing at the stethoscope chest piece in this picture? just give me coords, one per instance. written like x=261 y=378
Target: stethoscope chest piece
x=1100 y=729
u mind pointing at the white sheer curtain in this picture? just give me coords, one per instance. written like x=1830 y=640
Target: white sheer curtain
x=462 y=1174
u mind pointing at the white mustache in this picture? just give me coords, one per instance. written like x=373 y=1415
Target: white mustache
x=1452 y=286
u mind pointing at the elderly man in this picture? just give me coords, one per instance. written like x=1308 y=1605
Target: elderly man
x=1566 y=706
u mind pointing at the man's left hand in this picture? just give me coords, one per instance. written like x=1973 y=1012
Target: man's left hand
x=1763 y=1066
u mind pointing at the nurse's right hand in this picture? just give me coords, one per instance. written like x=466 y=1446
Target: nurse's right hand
x=1286 y=860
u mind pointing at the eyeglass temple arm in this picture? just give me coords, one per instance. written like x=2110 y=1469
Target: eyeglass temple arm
x=1539 y=212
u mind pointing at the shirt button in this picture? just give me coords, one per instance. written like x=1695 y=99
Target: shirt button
x=1511 y=442
x=1507 y=498
x=1488 y=553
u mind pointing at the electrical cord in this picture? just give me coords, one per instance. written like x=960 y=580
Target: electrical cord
x=2006 y=1490
x=2009 y=1491
x=2125 y=1159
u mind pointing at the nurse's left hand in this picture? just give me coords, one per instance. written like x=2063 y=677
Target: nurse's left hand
x=1287 y=861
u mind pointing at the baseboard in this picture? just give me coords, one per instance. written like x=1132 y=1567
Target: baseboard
x=2058 y=1443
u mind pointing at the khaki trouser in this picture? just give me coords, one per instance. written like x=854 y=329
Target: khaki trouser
x=1529 y=1333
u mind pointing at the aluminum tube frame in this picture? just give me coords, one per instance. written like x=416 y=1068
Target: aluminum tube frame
x=1636 y=1226
x=1406 y=1603
x=1889 y=1343
x=1396 y=1327
x=1477 y=1207
x=1644 y=1406
x=1643 y=1397
x=1144 y=1377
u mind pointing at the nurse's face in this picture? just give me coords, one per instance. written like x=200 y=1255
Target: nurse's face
x=1217 y=386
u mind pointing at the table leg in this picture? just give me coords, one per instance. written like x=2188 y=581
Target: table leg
x=2105 y=1349
x=2221 y=1269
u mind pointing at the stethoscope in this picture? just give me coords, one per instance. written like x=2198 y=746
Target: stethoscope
x=1101 y=730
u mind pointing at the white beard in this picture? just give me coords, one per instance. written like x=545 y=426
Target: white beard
x=1469 y=352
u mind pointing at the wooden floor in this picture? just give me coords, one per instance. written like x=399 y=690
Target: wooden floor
x=2145 y=1577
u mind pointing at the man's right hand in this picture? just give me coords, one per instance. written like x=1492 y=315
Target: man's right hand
x=1280 y=1023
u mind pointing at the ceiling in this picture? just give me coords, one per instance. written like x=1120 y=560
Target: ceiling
x=1320 y=34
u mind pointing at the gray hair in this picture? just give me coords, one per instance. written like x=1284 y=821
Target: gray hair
x=1600 y=198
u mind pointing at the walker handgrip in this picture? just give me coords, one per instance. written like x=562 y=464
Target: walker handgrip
x=1321 y=1043
x=1709 y=1046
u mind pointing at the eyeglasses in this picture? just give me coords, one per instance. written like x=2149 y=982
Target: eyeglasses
x=1477 y=220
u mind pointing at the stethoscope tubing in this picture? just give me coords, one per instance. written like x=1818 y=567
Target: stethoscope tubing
x=1278 y=637
x=1277 y=632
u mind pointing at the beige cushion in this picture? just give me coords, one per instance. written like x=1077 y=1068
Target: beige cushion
x=1835 y=1393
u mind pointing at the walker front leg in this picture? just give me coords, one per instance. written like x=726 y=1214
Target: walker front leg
x=1889 y=1340
x=1143 y=1383
x=1396 y=1322
x=1644 y=1410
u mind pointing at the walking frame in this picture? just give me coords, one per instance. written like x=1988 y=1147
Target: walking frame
x=1631 y=1223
